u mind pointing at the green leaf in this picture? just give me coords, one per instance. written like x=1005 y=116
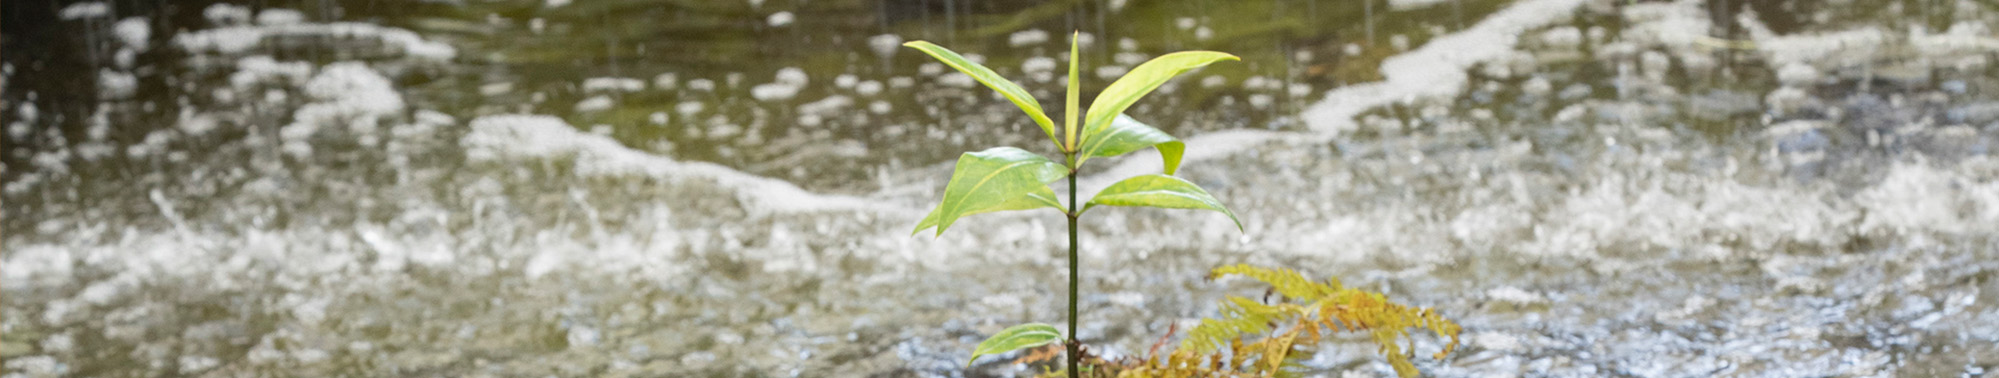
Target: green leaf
x=1140 y=81
x=1160 y=191
x=1043 y=197
x=1126 y=135
x=1073 y=111
x=992 y=178
x=1016 y=338
x=1013 y=92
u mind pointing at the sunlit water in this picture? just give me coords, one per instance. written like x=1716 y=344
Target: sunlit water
x=620 y=188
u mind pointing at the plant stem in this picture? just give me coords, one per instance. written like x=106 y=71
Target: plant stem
x=1075 y=347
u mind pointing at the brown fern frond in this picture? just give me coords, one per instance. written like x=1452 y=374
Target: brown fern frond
x=1152 y=354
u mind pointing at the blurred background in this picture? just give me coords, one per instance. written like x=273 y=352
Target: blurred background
x=726 y=188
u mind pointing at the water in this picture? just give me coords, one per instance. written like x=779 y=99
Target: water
x=620 y=188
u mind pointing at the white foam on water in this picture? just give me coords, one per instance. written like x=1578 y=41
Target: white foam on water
x=1402 y=5
x=613 y=84
x=240 y=39
x=279 y=16
x=780 y=19
x=1027 y=37
x=594 y=104
x=134 y=32
x=1918 y=198
x=1835 y=49
x=507 y=136
x=348 y=96
x=885 y=44
x=116 y=85
x=91 y=9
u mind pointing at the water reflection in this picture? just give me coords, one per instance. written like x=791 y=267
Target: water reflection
x=724 y=188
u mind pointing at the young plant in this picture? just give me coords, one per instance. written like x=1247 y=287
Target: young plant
x=1008 y=178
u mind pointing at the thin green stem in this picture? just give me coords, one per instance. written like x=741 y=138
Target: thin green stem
x=1075 y=347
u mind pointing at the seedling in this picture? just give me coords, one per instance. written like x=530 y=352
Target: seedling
x=1008 y=178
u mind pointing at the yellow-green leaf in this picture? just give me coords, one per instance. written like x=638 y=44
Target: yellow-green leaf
x=1126 y=135
x=991 y=178
x=1140 y=81
x=1043 y=197
x=1073 y=111
x=1016 y=338
x=1013 y=92
x=1160 y=191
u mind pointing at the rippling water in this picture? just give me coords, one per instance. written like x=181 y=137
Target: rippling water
x=640 y=188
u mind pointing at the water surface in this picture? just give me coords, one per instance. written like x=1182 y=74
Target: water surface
x=646 y=188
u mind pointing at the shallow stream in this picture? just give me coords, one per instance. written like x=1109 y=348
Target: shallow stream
x=726 y=188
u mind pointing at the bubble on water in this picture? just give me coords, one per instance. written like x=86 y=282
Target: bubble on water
x=279 y=16
x=134 y=32
x=1039 y=68
x=1835 y=48
x=829 y=106
x=37 y=366
x=1027 y=37
x=1298 y=89
x=496 y=89
x=1564 y=37
x=792 y=76
x=666 y=81
x=780 y=19
x=583 y=336
x=1260 y=101
x=868 y=88
x=703 y=85
x=1212 y=81
x=36 y=266
x=113 y=85
x=957 y=79
x=226 y=14
x=689 y=108
x=719 y=128
x=885 y=45
x=1788 y=100
x=612 y=84
x=1108 y=72
x=1654 y=64
x=237 y=40
x=347 y=96
x=88 y=9
x=773 y=92
x=1536 y=86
